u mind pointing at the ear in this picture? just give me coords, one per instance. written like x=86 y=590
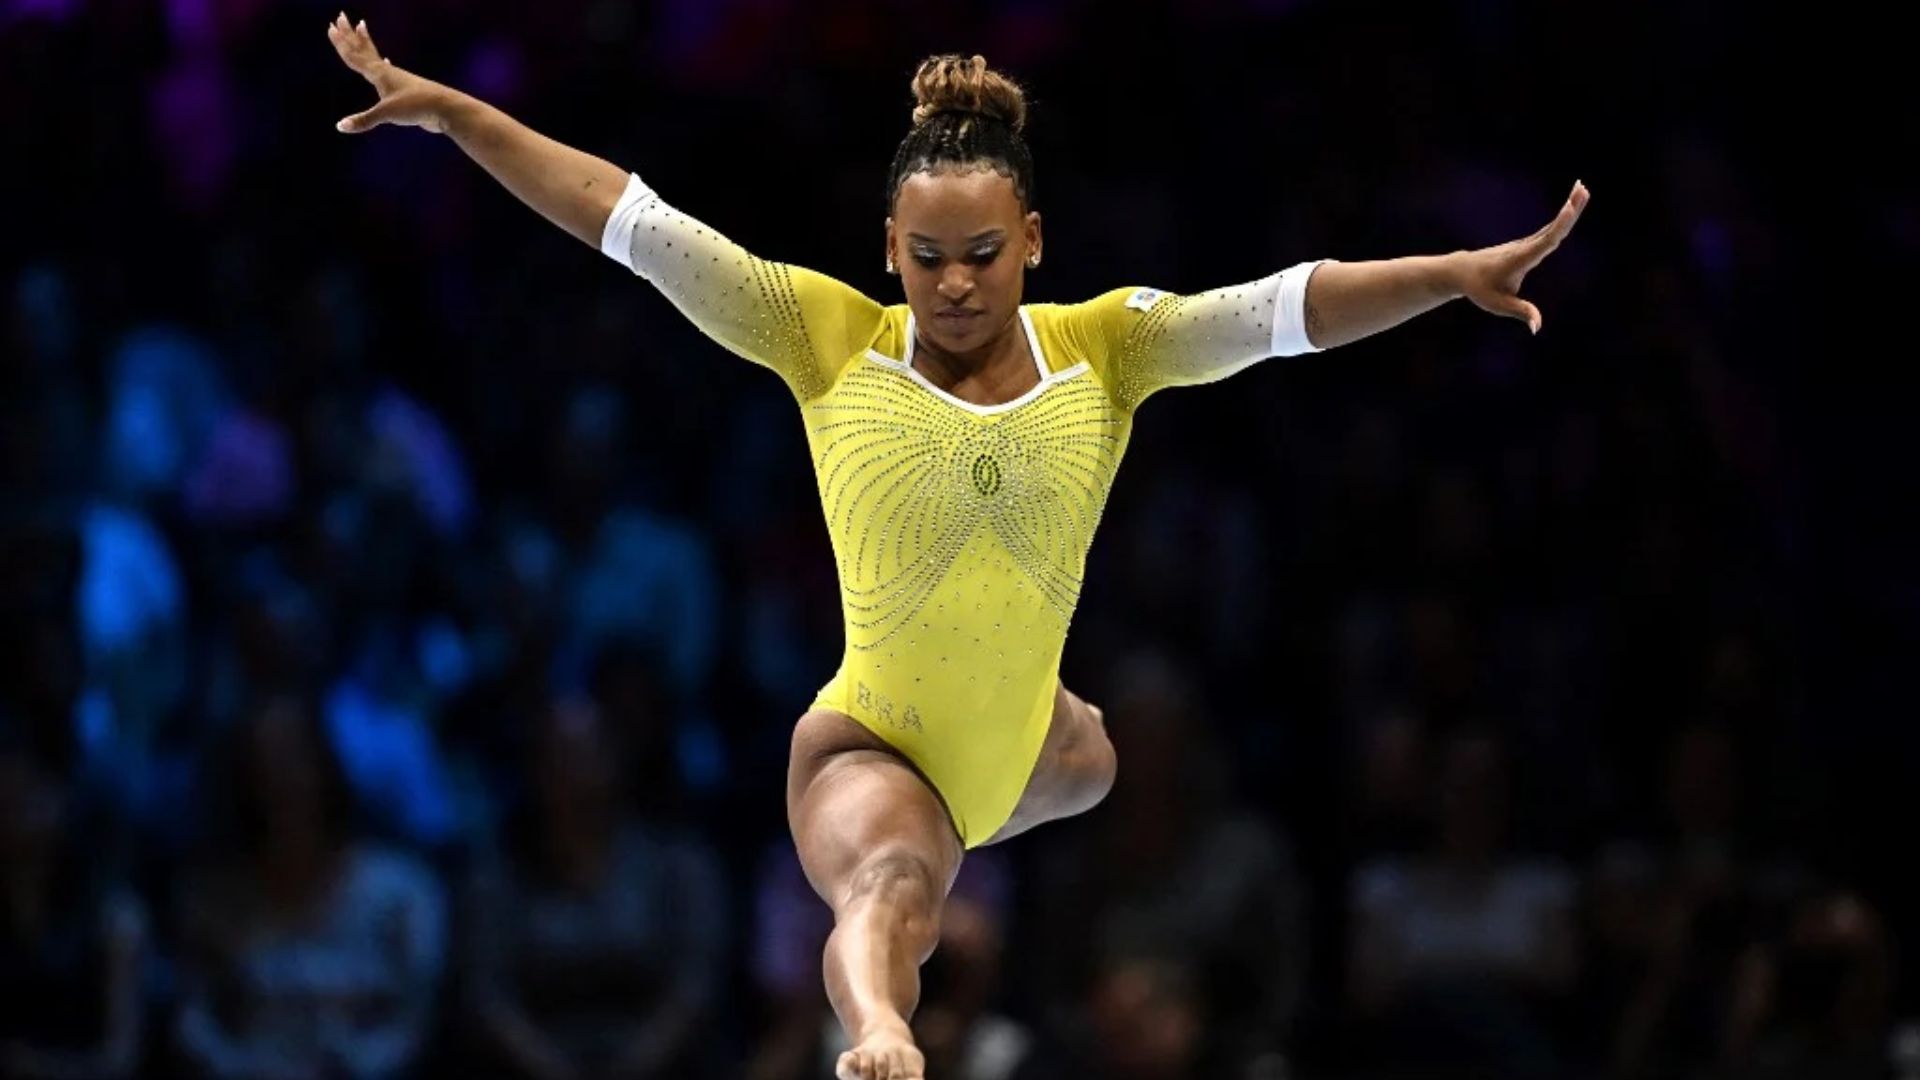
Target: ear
x=890 y=241
x=1033 y=234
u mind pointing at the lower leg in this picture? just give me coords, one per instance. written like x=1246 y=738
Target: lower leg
x=884 y=929
x=880 y=849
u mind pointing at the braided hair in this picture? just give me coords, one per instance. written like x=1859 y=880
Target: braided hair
x=965 y=116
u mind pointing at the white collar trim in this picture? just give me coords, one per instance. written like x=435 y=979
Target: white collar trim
x=1047 y=378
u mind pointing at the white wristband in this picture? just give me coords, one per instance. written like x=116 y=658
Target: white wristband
x=616 y=240
x=1290 y=310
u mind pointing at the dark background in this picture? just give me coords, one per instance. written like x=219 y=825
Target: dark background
x=1486 y=705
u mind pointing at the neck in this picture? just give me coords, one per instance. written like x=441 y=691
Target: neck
x=995 y=354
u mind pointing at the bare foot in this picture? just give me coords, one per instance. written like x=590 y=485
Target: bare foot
x=885 y=1055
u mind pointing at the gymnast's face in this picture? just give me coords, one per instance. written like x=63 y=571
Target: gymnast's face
x=962 y=245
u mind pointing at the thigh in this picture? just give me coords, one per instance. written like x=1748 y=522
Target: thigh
x=853 y=801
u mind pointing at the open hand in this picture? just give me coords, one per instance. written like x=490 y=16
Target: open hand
x=405 y=98
x=1490 y=277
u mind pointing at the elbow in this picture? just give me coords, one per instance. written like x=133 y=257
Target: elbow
x=1299 y=320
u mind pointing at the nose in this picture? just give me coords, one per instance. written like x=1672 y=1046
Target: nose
x=956 y=284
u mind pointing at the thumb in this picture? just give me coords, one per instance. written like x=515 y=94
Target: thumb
x=363 y=121
x=1514 y=307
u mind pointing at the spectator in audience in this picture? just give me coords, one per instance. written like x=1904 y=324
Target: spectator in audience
x=1814 y=1002
x=598 y=936
x=73 y=943
x=1671 y=916
x=1169 y=866
x=305 y=952
x=1144 y=1018
x=1459 y=955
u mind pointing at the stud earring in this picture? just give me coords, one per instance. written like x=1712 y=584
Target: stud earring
x=1033 y=261
x=891 y=269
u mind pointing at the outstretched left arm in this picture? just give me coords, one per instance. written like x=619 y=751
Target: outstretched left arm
x=1348 y=301
x=1142 y=340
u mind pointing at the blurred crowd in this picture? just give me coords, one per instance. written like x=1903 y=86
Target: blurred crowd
x=403 y=613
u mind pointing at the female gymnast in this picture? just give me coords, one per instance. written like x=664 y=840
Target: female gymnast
x=964 y=445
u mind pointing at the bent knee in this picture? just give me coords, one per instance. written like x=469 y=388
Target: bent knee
x=895 y=878
x=1101 y=767
x=1096 y=762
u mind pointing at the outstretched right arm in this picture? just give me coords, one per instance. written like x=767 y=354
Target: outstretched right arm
x=574 y=190
x=797 y=322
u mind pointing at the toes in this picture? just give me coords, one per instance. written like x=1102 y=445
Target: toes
x=878 y=1065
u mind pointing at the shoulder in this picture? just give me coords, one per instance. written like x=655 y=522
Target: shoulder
x=1095 y=327
x=1126 y=302
x=890 y=338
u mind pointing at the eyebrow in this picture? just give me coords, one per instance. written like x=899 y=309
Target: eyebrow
x=974 y=239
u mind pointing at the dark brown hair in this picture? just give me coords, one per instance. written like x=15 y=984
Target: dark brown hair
x=965 y=115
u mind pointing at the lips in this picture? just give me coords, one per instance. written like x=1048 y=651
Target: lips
x=957 y=315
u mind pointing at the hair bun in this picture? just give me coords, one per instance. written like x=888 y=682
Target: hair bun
x=959 y=84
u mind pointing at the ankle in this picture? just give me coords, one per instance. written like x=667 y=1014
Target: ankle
x=883 y=1026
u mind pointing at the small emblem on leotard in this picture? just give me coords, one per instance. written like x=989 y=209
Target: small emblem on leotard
x=1142 y=299
x=986 y=474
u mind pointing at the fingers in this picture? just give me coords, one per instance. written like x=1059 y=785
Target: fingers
x=1562 y=223
x=347 y=44
x=355 y=46
x=1570 y=213
x=1543 y=243
x=366 y=38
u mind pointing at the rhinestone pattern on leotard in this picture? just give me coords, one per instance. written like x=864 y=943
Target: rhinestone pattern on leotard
x=908 y=480
x=1229 y=322
x=747 y=303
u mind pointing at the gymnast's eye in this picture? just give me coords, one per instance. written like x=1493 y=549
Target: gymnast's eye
x=927 y=259
x=984 y=256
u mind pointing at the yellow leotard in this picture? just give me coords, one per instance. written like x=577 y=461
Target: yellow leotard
x=960 y=531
